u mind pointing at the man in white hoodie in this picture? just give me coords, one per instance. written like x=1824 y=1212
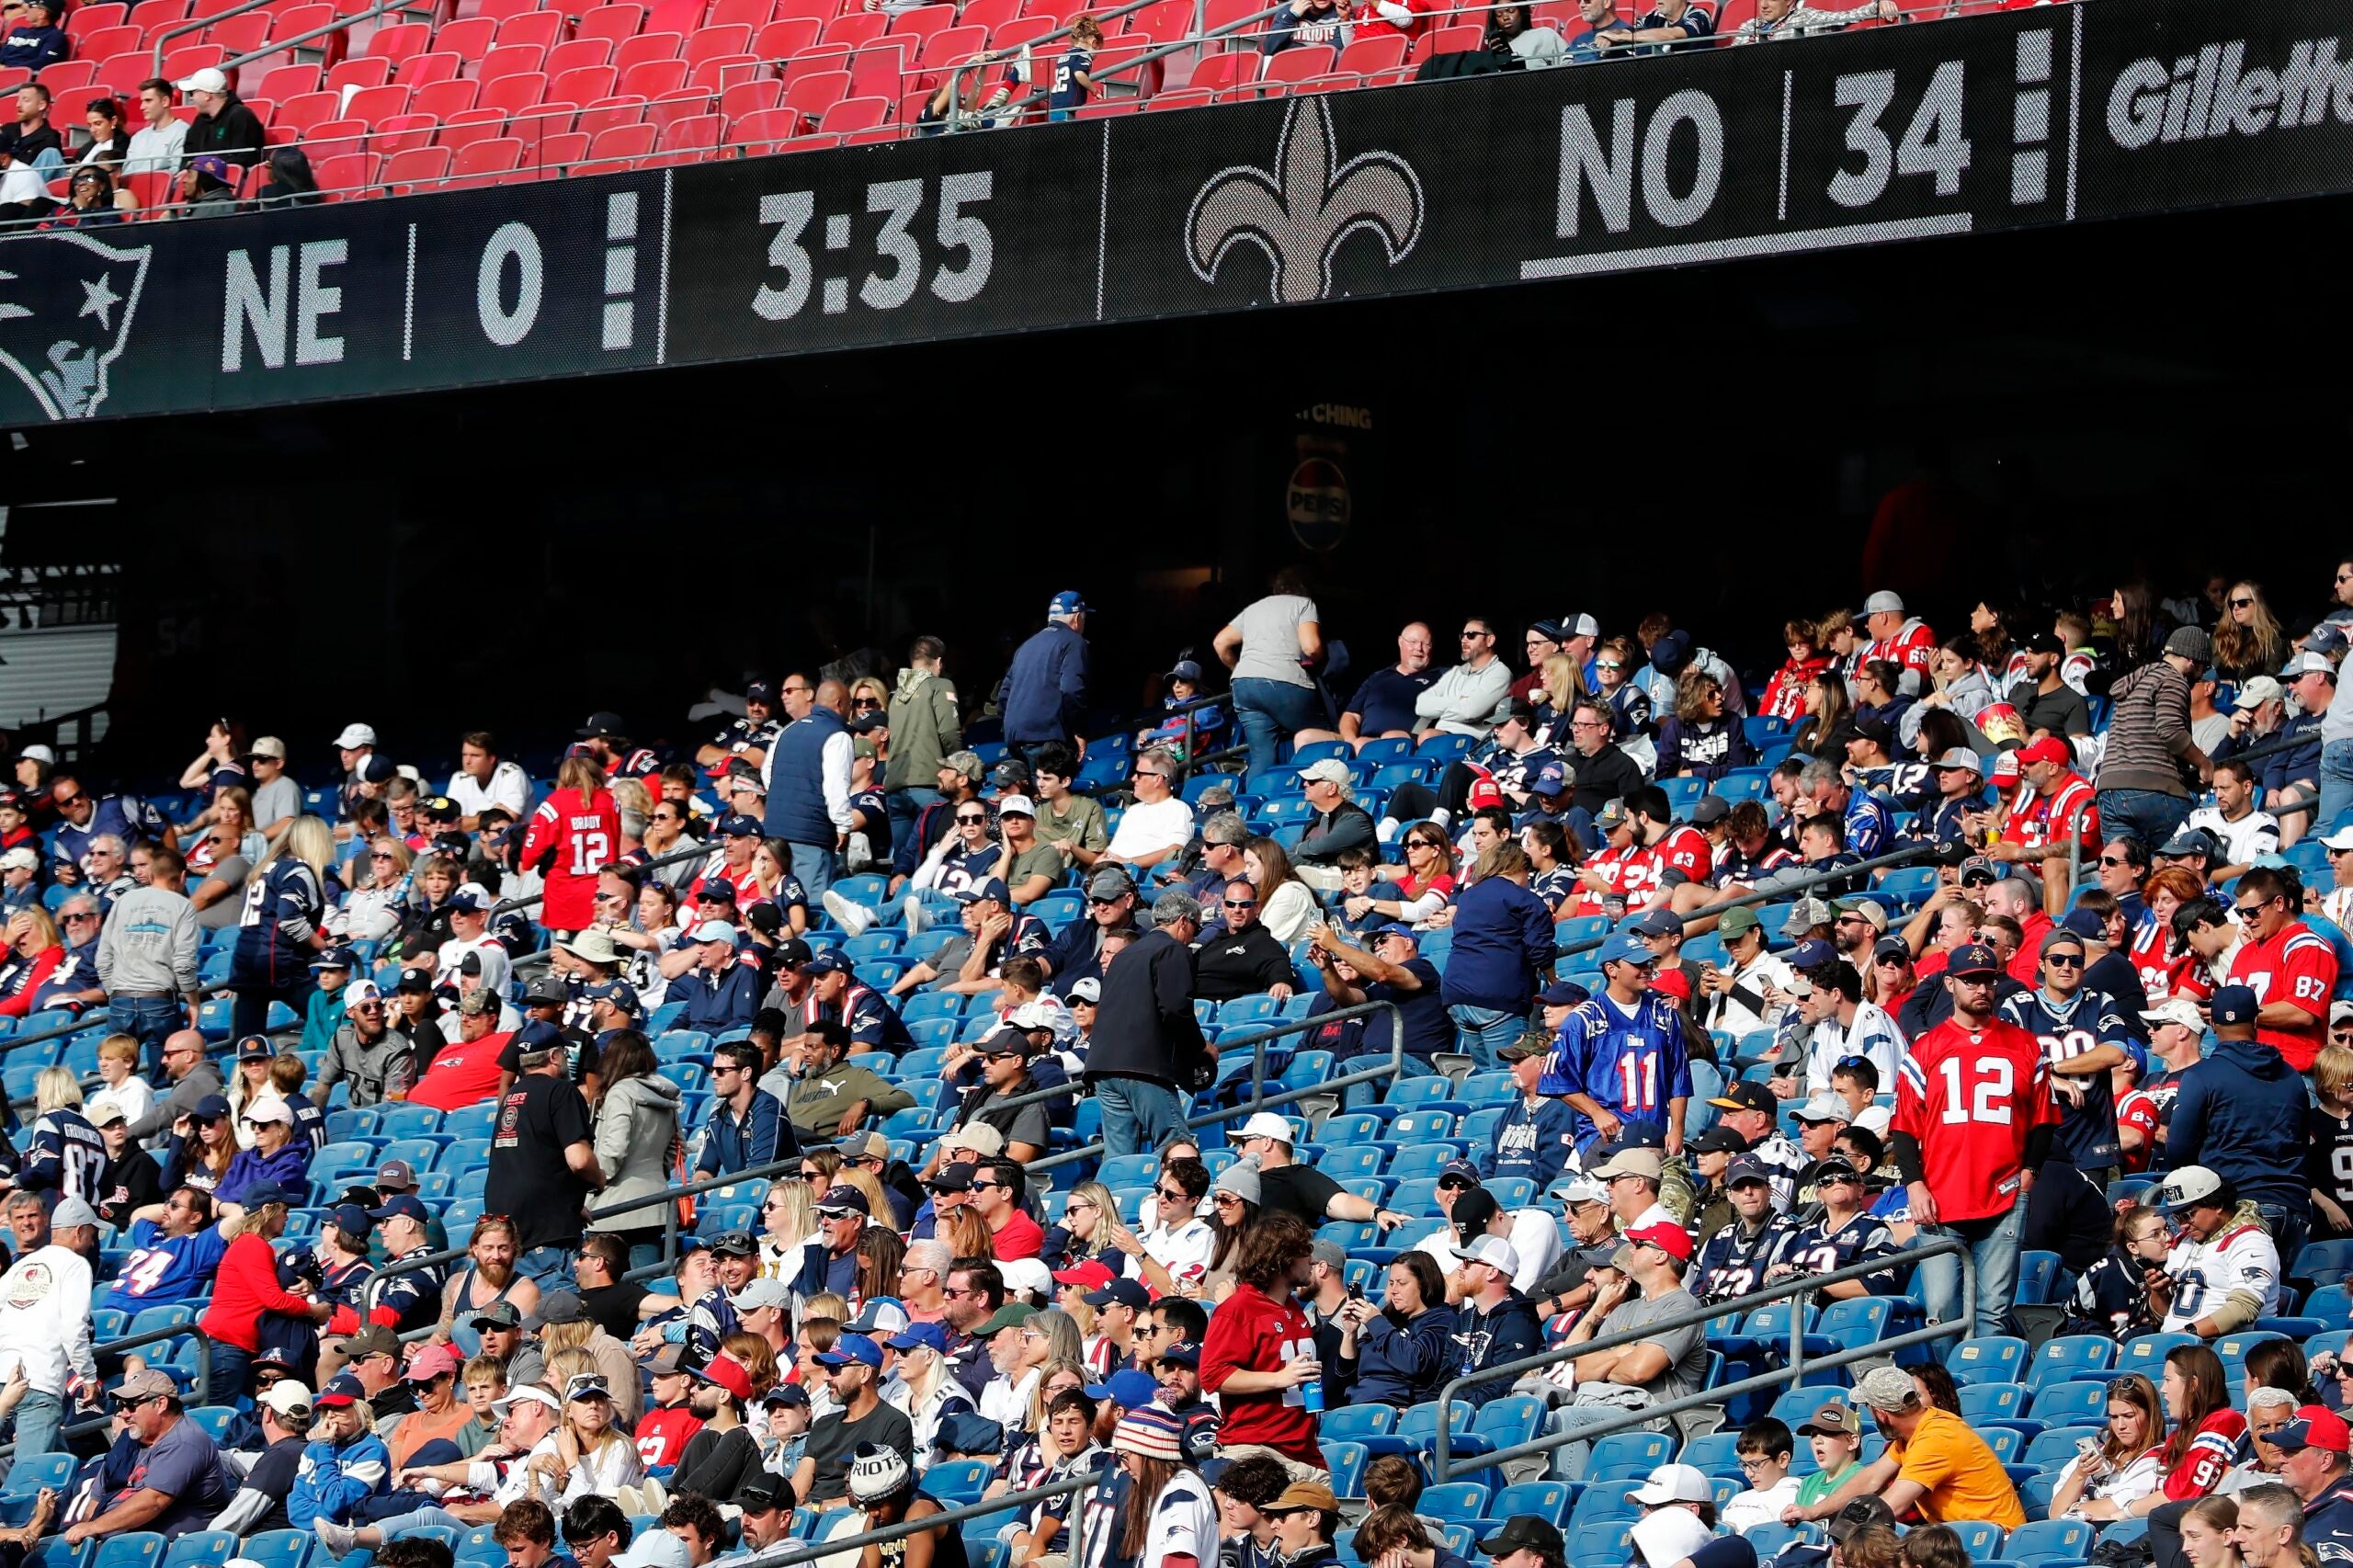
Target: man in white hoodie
x=45 y=1325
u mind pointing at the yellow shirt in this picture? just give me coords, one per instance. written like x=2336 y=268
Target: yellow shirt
x=1963 y=1478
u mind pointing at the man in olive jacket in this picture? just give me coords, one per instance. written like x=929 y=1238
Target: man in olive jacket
x=1147 y=1043
x=924 y=728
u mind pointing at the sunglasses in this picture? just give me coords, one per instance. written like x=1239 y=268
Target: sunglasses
x=967 y=822
x=1174 y=1195
x=2242 y=604
x=2249 y=911
x=1242 y=903
x=2063 y=960
x=2114 y=860
x=1223 y=1199
x=1421 y=844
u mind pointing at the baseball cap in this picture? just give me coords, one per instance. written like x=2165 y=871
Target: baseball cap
x=1067 y=602
x=395 y=1174
x=1267 y=1124
x=1183 y=1352
x=1523 y=1048
x=1735 y=922
x=1836 y=1418
x=1863 y=1513
x=1825 y=1108
x=1673 y=1240
x=73 y=1211
x=1710 y=809
x=1960 y=757
x=1330 y=770
x=2175 y=1010
x=210 y=80
x=103 y=1111
x=829 y=961
x=23 y=859
x=432 y=1362
x=211 y=1107
x=1717 y=1140
x=2051 y=749
x=1305 y=1495
x=2308 y=664
x=255 y=1048
x=978 y=1136
x=2187 y=1187
x=269 y=1110
x=1526 y=1532
x=1087 y=990
x=1564 y=993
x=2188 y=841
x=2315 y=1426
x=1745 y=1095
x=1572 y=1190
x=1551 y=779
x=1633 y=1163
x=1870 y=909
x=1493 y=1251
x=1127 y=1293
x=1129 y=1389
x=929 y=1335
x=1613 y=813
x=1804 y=914
x=1891 y=947
x=145 y=1383
x=1013 y=1314
x=1747 y=1168
x=991 y=887
x=1625 y=947
x=843 y=1199
x=2233 y=1005
x=1014 y=806
x=1975 y=959
x=2257 y=691
x=758 y=1293
x=547 y=991
x=1673 y=1483
x=2059 y=936
x=402 y=1205
x=724 y=1372
x=341 y=1390
x=285 y=1396
x=334 y=957
x=354 y=735
x=1092 y=1273
x=1655 y=923
x=715 y=931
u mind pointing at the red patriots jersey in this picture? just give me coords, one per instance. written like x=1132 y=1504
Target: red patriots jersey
x=2213 y=1449
x=1912 y=646
x=2165 y=972
x=571 y=841
x=1686 y=849
x=1633 y=874
x=2038 y=819
x=1969 y=1098
x=2298 y=967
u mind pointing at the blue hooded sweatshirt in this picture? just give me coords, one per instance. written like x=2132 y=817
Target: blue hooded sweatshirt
x=2240 y=1113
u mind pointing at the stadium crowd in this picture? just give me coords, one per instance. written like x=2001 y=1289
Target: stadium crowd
x=702 y=1155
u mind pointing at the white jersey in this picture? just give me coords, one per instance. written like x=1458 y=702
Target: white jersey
x=2240 y=1257
x=2257 y=833
x=1872 y=1034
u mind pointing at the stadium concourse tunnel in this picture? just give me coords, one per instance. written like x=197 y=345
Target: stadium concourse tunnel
x=2060 y=408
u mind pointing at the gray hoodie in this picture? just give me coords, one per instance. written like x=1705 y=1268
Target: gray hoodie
x=636 y=1126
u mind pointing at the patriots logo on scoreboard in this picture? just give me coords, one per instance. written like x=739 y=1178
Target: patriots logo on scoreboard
x=1301 y=211
x=60 y=337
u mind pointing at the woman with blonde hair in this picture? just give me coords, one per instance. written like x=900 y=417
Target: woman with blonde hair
x=1561 y=690
x=34 y=952
x=63 y=1150
x=966 y=1234
x=2115 y=1477
x=926 y=1392
x=1703 y=739
x=787 y=1226
x=608 y=1358
x=574 y=833
x=593 y=1456
x=378 y=893
x=2247 y=639
x=282 y=927
x=1090 y=1222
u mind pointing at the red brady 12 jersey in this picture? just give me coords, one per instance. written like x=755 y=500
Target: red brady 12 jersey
x=1969 y=1097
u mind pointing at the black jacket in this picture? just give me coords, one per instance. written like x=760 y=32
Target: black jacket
x=1144 y=1026
x=1492 y=1338
x=1226 y=966
x=1346 y=826
x=234 y=132
x=1608 y=775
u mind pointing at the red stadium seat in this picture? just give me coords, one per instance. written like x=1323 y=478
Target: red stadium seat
x=419 y=166
x=469 y=39
x=66 y=75
x=1163 y=21
x=652 y=78
x=922 y=23
x=363 y=72
x=613 y=22
x=759 y=133
x=885 y=133
x=1181 y=97
x=879 y=72
x=1226 y=12
x=399 y=40
x=1219 y=72
x=857 y=29
x=424 y=70
x=994 y=13
x=462 y=131
x=238 y=35
x=855 y=114
x=951 y=46
x=123 y=72
x=912 y=106
x=341 y=136
x=749 y=15
x=636 y=51
x=70 y=105
x=478 y=161
x=87 y=19
x=373 y=105
x=670 y=108
x=606 y=113
x=560 y=148
x=189 y=58
x=150 y=14
x=323 y=50
x=583 y=85
x=510 y=60
x=443 y=99
x=1336 y=82
x=695 y=133
x=285 y=82
x=574 y=53
x=622 y=142
x=515 y=93
x=1446 y=40
x=1385 y=53
x=744 y=100
x=809 y=97
x=1141 y=80
x=1020 y=30
x=308 y=109
x=545 y=29
x=104 y=43
x=730 y=38
x=786 y=36
x=812 y=61
x=402 y=131
x=681 y=16
x=1104 y=108
x=337 y=173
x=1297 y=64
x=818 y=11
x=722 y=72
x=505 y=11
x=540 y=121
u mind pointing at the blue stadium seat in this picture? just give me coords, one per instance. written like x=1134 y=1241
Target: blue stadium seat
x=2146 y=1353
x=1456 y=1502
x=2053 y=1445
x=1626 y=1456
x=1544 y=1499
x=2078 y=1404
x=2332 y=1304
x=288 y=1549
x=959 y=1482
x=2070 y=1356
x=1995 y=1359
x=1419 y=1160
x=139 y=1548
x=201 y=1549
x=28 y=1476
x=2048 y=1541
x=1980 y=1540
x=1346 y=1462
x=2037 y=1274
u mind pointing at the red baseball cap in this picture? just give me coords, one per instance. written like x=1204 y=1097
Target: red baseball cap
x=1667 y=1238
x=2050 y=748
x=2315 y=1426
x=1094 y=1274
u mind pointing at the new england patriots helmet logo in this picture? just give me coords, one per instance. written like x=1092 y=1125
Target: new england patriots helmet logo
x=66 y=303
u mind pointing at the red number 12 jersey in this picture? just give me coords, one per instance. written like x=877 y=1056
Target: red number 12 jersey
x=1969 y=1097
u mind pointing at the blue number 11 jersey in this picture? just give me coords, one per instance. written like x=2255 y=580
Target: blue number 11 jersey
x=1632 y=1062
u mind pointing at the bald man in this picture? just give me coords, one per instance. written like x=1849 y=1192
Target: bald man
x=807 y=778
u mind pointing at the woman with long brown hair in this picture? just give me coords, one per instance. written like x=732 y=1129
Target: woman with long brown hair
x=1169 y=1512
x=574 y=833
x=2247 y=639
x=636 y=1130
x=2116 y=1476
x=880 y=1253
x=2206 y=1431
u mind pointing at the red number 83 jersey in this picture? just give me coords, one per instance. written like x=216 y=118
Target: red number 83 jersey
x=1969 y=1097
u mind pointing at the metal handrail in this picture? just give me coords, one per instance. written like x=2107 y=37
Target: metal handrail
x=1443 y=1469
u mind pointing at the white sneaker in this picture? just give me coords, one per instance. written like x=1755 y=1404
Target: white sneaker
x=919 y=918
x=848 y=914
x=341 y=1540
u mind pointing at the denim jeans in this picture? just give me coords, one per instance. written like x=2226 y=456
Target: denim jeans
x=147 y=1019
x=1480 y=1032
x=904 y=806
x=1270 y=712
x=231 y=1368
x=1139 y=1115
x=2150 y=816
x=421 y=1520
x=2335 y=789
x=545 y=1264
x=38 y=1415
x=2289 y=1231
x=1356 y=1096
x=1993 y=1243
x=814 y=865
x=250 y=1015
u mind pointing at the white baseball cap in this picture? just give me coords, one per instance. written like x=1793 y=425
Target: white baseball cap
x=210 y=80
x=1673 y=1483
x=285 y=1396
x=715 y=931
x=1269 y=1124
x=271 y=1110
x=19 y=859
x=2175 y=1010
x=1014 y=805
x=1493 y=1251
x=2257 y=691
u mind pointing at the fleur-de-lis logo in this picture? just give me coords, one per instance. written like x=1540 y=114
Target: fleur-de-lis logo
x=1300 y=214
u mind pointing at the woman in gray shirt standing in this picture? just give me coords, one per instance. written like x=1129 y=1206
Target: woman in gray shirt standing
x=1269 y=647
